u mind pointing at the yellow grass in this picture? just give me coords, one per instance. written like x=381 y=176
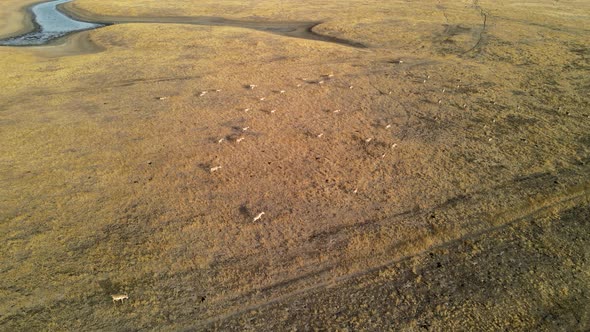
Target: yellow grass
x=105 y=182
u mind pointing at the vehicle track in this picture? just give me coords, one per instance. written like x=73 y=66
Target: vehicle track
x=576 y=195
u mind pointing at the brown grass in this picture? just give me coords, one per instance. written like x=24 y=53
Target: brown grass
x=106 y=189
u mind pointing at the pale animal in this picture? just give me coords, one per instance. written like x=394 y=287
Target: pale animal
x=258 y=216
x=119 y=297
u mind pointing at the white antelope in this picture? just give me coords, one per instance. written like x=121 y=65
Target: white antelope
x=119 y=297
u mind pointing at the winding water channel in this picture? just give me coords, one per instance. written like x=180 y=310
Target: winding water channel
x=50 y=24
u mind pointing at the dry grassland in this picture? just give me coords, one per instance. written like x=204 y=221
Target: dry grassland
x=448 y=192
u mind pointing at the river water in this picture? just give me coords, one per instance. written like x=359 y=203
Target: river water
x=50 y=24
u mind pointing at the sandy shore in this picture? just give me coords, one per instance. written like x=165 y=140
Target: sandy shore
x=16 y=19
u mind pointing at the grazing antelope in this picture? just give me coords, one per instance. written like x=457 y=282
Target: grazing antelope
x=203 y=93
x=252 y=86
x=239 y=140
x=215 y=169
x=119 y=297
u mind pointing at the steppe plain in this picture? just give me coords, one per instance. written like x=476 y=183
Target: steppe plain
x=429 y=169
